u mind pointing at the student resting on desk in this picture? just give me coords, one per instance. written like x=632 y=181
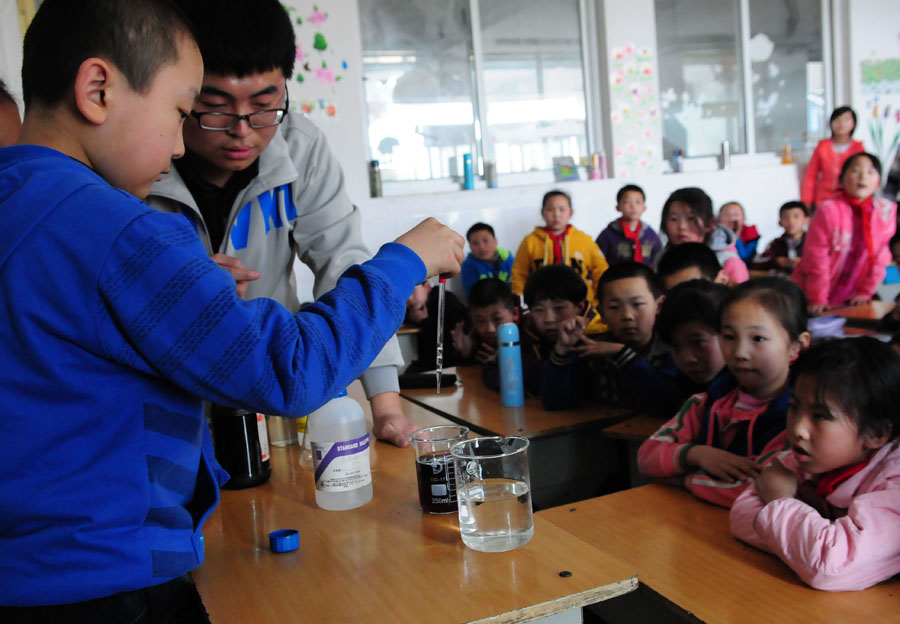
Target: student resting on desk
x=821 y=179
x=121 y=325
x=485 y=259
x=731 y=215
x=783 y=253
x=557 y=242
x=491 y=304
x=830 y=508
x=846 y=248
x=629 y=238
x=689 y=261
x=687 y=217
x=719 y=439
x=259 y=183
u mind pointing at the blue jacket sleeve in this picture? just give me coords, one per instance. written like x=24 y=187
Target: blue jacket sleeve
x=656 y=392
x=468 y=273
x=564 y=385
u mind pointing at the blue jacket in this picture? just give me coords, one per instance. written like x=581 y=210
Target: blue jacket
x=114 y=325
x=474 y=269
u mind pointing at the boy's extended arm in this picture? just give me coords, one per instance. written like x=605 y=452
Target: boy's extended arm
x=664 y=453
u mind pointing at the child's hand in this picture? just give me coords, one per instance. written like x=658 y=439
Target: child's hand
x=776 y=481
x=241 y=274
x=856 y=301
x=722 y=464
x=439 y=247
x=786 y=263
x=816 y=309
x=597 y=348
x=486 y=353
x=570 y=333
x=462 y=341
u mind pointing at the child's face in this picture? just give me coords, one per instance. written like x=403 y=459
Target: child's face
x=416 y=305
x=861 y=179
x=223 y=152
x=696 y=351
x=631 y=206
x=483 y=244
x=843 y=125
x=682 y=226
x=488 y=319
x=549 y=314
x=732 y=216
x=793 y=221
x=757 y=348
x=823 y=435
x=629 y=309
x=557 y=212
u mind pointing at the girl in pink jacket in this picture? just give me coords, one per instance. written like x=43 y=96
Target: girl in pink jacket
x=831 y=508
x=846 y=248
x=720 y=439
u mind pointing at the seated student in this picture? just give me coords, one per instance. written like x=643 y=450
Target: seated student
x=829 y=508
x=731 y=215
x=121 y=325
x=557 y=242
x=485 y=259
x=720 y=439
x=491 y=304
x=689 y=261
x=687 y=217
x=783 y=253
x=421 y=311
x=629 y=238
x=10 y=122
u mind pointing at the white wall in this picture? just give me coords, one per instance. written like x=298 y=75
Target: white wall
x=11 y=49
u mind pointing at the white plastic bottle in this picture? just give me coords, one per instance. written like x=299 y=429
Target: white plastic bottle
x=340 y=447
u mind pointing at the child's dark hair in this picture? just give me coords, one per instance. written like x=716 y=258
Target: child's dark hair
x=692 y=301
x=791 y=205
x=782 y=298
x=840 y=110
x=630 y=188
x=861 y=375
x=555 y=193
x=626 y=270
x=239 y=38
x=686 y=255
x=695 y=198
x=138 y=37
x=894 y=240
x=876 y=163
x=480 y=227
x=555 y=281
x=490 y=290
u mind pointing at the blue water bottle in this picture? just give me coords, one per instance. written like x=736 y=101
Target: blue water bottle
x=510 y=360
x=468 y=173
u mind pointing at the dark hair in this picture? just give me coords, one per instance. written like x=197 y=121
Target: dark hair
x=629 y=188
x=698 y=201
x=695 y=300
x=862 y=375
x=736 y=203
x=894 y=240
x=138 y=37
x=686 y=255
x=840 y=110
x=876 y=163
x=782 y=298
x=490 y=290
x=791 y=205
x=626 y=270
x=555 y=281
x=237 y=37
x=5 y=94
x=480 y=227
x=555 y=193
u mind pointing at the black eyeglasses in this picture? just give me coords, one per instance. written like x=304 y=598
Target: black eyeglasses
x=229 y=121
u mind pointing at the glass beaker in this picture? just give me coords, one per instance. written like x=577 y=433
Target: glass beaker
x=434 y=466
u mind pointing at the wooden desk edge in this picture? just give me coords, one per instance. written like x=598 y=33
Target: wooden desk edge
x=566 y=603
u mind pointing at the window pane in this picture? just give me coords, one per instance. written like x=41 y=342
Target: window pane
x=533 y=82
x=418 y=78
x=700 y=75
x=788 y=73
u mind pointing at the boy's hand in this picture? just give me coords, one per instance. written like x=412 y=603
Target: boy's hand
x=816 y=309
x=241 y=274
x=462 y=341
x=389 y=423
x=439 y=247
x=486 y=353
x=857 y=301
x=776 y=481
x=598 y=348
x=722 y=464
x=786 y=263
x=570 y=333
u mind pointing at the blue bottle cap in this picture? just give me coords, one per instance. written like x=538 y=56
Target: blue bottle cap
x=507 y=333
x=284 y=540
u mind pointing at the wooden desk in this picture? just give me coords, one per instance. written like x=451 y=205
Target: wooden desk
x=386 y=561
x=867 y=315
x=683 y=549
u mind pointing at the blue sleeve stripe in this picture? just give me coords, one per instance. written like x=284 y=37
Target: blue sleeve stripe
x=171 y=476
x=160 y=420
x=170 y=518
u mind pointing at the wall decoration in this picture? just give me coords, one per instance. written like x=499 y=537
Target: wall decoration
x=881 y=87
x=634 y=106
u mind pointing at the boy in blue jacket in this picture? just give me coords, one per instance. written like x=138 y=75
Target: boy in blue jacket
x=485 y=259
x=120 y=325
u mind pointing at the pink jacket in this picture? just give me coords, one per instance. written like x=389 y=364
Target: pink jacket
x=735 y=422
x=827 y=247
x=853 y=552
x=820 y=180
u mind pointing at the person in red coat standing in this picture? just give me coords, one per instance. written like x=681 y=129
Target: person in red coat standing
x=820 y=181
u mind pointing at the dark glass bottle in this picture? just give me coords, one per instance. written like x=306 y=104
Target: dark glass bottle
x=242 y=446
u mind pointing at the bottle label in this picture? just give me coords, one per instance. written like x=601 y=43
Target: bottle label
x=342 y=466
x=263 y=436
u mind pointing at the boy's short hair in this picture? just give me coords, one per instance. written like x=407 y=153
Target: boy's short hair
x=735 y=203
x=679 y=257
x=626 y=270
x=555 y=193
x=137 y=36
x=489 y=291
x=555 y=281
x=628 y=188
x=696 y=198
x=791 y=205
x=480 y=227
x=692 y=301
x=237 y=37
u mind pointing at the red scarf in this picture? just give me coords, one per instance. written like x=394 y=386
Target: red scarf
x=558 y=240
x=634 y=235
x=830 y=480
x=864 y=207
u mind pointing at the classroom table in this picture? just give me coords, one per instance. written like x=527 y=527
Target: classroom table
x=867 y=315
x=386 y=561
x=683 y=549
